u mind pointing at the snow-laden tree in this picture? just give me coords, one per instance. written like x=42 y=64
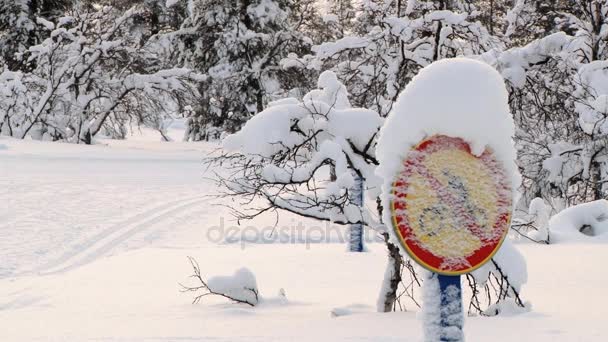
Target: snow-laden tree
x=156 y=16
x=530 y=20
x=18 y=29
x=90 y=77
x=339 y=17
x=240 y=45
x=538 y=79
x=289 y=165
x=557 y=93
x=282 y=159
x=491 y=13
x=589 y=54
x=392 y=40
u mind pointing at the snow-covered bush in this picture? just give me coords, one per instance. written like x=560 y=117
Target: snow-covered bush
x=15 y=103
x=533 y=226
x=241 y=287
x=285 y=153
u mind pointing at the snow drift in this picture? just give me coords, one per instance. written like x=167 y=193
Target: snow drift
x=587 y=222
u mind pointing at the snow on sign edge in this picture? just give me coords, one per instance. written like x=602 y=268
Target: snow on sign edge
x=457 y=97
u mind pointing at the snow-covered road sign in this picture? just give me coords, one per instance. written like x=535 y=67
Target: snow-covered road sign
x=451 y=209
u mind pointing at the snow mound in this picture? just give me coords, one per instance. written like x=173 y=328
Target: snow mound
x=242 y=285
x=507 y=307
x=582 y=223
x=457 y=97
x=352 y=309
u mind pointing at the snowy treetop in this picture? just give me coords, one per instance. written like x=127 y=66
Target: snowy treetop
x=335 y=118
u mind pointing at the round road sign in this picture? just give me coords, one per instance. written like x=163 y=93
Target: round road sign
x=451 y=209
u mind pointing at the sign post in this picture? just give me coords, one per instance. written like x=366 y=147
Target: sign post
x=452 y=318
x=451 y=211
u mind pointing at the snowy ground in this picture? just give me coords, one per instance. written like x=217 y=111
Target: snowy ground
x=94 y=240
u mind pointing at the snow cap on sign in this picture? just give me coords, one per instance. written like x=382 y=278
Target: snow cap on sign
x=457 y=97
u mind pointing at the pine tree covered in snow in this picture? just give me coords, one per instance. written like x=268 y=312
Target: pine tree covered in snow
x=240 y=45
x=18 y=29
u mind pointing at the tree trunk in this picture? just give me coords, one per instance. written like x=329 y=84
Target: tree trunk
x=596 y=180
x=392 y=278
x=87 y=138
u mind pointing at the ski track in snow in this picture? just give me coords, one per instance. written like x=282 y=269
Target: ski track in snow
x=64 y=206
x=105 y=241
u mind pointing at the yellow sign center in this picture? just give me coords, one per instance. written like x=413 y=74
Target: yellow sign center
x=452 y=192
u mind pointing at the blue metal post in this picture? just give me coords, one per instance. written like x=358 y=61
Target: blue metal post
x=356 y=230
x=452 y=317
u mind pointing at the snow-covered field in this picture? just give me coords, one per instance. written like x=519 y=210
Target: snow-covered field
x=95 y=239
